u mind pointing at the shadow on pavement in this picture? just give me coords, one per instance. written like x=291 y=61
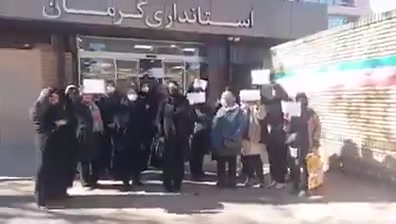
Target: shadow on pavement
x=203 y=198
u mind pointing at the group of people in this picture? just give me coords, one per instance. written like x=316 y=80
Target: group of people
x=123 y=132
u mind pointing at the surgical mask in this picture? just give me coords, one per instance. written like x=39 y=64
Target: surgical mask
x=110 y=89
x=132 y=97
x=145 y=89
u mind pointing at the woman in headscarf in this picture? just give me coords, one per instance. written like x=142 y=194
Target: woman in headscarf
x=200 y=140
x=253 y=146
x=276 y=145
x=307 y=131
x=55 y=139
x=176 y=126
x=141 y=130
x=89 y=132
x=118 y=122
x=226 y=136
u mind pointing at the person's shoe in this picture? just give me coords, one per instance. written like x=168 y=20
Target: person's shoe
x=259 y=185
x=220 y=185
x=303 y=193
x=137 y=183
x=248 y=183
x=280 y=186
x=272 y=184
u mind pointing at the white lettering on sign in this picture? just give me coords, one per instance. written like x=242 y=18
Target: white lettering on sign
x=192 y=16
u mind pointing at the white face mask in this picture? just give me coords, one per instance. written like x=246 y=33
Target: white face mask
x=110 y=89
x=132 y=97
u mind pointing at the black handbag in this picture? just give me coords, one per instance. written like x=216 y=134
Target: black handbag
x=157 y=152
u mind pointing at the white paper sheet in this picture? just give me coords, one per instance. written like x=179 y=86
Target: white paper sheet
x=292 y=109
x=195 y=98
x=250 y=95
x=158 y=73
x=260 y=77
x=200 y=83
x=94 y=86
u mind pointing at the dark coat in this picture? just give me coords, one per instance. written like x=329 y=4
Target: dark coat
x=88 y=142
x=55 y=147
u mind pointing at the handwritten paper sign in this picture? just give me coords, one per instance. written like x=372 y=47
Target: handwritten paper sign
x=196 y=98
x=200 y=83
x=94 y=86
x=160 y=18
x=249 y=95
x=292 y=109
x=260 y=77
x=157 y=73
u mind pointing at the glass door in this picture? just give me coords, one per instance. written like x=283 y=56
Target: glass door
x=175 y=71
x=97 y=68
x=127 y=73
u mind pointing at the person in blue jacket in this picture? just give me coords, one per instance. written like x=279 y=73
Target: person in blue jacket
x=226 y=137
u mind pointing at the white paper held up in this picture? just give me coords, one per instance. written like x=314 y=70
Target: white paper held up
x=94 y=86
x=292 y=109
x=195 y=98
x=200 y=83
x=158 y=73
x=250 y=95
x=260 y=77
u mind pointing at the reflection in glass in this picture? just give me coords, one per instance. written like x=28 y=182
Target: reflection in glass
x=97 y=68
x=127 y=73
x=174 y=71
x=192 y=72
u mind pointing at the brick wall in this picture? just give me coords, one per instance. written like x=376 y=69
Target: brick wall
x=368 y=37
x=357 y=132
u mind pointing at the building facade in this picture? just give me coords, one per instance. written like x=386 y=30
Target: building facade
x=341 y=12
x=58 y=42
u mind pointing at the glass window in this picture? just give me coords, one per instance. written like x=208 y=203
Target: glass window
x=139 y=46
x=174 y=71
x=334 y=21
x=127 y=73
x=97 y=68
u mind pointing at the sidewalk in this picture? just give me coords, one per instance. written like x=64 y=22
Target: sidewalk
x=343 y=200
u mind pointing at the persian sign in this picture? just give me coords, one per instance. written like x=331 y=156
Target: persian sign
x=155 y=20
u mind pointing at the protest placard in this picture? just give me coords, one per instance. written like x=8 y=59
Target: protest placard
x=260 y=77
x=94 y=86
x=292 y=109
x=250 y=95
x=196 y=98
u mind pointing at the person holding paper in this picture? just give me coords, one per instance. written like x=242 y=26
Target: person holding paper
x=89 y=133
x=177 y=149
x=304 y=135
x=226 y=138
x=200 y=139
x=252 y=145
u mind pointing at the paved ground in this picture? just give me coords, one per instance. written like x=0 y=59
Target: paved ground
x=342 y=200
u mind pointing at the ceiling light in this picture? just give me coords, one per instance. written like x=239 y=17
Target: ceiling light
x=146 y=47
x=189 y=49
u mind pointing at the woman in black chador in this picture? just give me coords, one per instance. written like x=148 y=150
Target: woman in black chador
x=56 y=136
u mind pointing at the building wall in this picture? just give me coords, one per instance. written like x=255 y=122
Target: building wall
x=356 y=9
x=271 y=18
x=350 y=75
x=20 y=84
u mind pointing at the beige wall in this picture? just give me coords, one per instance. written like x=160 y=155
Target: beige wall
x=20 y=83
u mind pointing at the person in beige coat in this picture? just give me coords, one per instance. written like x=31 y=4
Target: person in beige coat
x=252 y=146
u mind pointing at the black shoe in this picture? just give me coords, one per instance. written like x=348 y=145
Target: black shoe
x=137 y=183
x=221 y=185
x=169 y=189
